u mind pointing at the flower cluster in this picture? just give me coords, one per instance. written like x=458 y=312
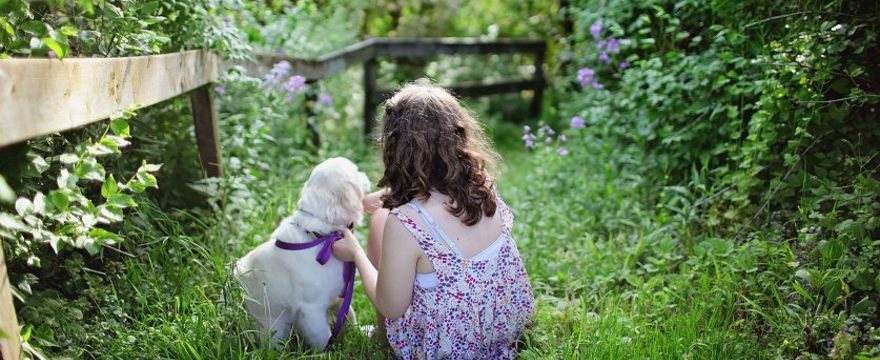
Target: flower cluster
x=547 y=133
x=607 y=48
x=291 y=86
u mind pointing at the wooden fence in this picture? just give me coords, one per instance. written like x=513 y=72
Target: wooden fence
x=43 y=96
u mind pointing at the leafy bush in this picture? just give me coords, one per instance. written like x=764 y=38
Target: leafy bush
x=753 y=119
x=60 y=28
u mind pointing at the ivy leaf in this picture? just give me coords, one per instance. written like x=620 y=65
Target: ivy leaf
x=121 y=200
x=58 y=200
x=6 y=26
x=40 y=164
x=90 y=169
x=151 y=167
x=68 y=30
x=68 y=158
x=109 y=188
x=40 y=203
x=55 y=46
x=120 y=127
x=23 y=206
x=116 y=141
x=12 y=223
x=110 y=213
x=100 y=149
x=105 y=236
x=6 y=193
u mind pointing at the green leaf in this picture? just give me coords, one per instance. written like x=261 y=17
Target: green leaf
x=865 y=307
x=12 y=223
x=7 y=195
x=110 y=213
x=58 y=200
x=120 y=127
x=40 y=164
x=105 y=236
x=109 y=188
x=68 y=30
x=6 y=26
x=121 y=200
x=55 y=46
x=68 y=158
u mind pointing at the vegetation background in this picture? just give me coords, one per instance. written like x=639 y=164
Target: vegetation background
x=702 y=183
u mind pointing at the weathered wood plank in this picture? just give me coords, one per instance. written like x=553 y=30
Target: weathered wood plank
x=336 y=61
x=538 y=97
x=207 y=131
x=421 y=47
x=323 y=66
x=10 y=348
x=43 y=96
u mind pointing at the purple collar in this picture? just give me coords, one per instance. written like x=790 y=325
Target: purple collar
x=323 y=256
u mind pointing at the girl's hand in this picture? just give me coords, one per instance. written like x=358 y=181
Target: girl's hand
x=347 y=248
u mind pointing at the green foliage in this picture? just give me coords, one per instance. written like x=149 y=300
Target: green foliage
x=753 y=121
x=117 y=28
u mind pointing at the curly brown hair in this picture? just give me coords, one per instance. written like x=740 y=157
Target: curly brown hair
x=429 y=141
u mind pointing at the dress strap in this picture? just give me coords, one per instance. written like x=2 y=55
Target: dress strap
x=437 y=254
x=438 y=232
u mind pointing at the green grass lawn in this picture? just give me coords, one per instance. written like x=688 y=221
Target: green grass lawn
x=583 y=241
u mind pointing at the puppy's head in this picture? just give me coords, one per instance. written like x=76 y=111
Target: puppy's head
x=334 y=194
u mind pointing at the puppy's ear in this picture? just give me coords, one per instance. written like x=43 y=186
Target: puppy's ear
x=335 y=194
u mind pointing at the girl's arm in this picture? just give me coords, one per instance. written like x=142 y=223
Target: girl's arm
x=389 y=289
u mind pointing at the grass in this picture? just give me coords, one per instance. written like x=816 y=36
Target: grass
x=584 y=227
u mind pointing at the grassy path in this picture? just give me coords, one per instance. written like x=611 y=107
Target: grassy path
x=581 y=225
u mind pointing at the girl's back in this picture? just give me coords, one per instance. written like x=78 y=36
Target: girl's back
x=472 y=297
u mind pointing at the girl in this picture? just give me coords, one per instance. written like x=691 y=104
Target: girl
x=450 y=281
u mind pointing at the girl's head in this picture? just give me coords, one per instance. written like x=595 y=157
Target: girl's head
x=430 y=142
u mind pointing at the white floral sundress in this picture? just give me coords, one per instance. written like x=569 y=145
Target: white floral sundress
x=479 y=306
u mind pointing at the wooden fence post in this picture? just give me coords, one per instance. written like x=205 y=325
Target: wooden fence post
x=538 y=98
x=10 y=347
x=369 y=96
x=207 y=133
x=315 y=135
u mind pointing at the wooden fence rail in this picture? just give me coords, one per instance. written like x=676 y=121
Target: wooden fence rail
x=43 y=96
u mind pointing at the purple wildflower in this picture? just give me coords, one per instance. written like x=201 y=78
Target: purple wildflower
x=220 y=89
x=623 y=65
x=52 y=54
x=548 y=140
x=529 y=144
x=563 y=138
x=577 y=122
x=278 y=72
x=597 y=85
x=294 y=84
x=227 y=20
x=325 y=100
x=603 y=57
x=527 y=128
x=596 y=29
x=528 y=137
x=562 y=151
x=601 y=44
x=586 y=75
x=613 y=45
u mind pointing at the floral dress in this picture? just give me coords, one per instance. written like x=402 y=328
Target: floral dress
x=479 y=305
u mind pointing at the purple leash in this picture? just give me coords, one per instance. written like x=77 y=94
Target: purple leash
x=322 y=258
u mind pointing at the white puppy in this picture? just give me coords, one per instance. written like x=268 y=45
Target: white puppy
x=288 y=287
